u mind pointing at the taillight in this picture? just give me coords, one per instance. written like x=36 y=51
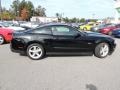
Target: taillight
x=9 y=33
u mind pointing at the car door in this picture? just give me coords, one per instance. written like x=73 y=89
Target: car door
x=66 y=39
x=44 y=36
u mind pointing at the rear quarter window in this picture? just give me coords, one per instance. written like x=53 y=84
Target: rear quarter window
x=44 y=30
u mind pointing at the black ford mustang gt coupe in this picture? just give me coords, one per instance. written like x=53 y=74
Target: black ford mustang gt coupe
x=61 y=38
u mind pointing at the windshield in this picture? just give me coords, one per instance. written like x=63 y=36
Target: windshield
x=1 y=24
x=5 y=24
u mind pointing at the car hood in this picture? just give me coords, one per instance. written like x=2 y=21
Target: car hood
x=16 y=28
x=95 y=34
x=6 y=30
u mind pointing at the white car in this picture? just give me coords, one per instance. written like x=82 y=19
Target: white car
x=15 y=28
x=29 y=24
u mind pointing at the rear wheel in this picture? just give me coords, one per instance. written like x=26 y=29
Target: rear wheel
x=85 y=29
x=35 y=51
x=102 y=50
x=1 y=39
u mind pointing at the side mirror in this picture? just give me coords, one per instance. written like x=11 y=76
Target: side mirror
x=77 y=35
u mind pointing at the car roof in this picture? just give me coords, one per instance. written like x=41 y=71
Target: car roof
x=54 y=24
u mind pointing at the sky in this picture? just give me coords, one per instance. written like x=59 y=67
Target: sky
x=74 y=8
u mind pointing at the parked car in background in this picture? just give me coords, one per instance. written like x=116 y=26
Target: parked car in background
x=11 y=26
x=98 y=27
x=75 y=25
x=108 y=30
x=30 y=24
x=116 y=33
x=87 y=27
x=61 y=39
x=5 y=35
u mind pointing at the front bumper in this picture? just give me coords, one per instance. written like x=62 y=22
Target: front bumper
x=113 y=47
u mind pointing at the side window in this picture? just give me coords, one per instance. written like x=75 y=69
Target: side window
x=44 y=30
x=91 y=24
x=63 y=30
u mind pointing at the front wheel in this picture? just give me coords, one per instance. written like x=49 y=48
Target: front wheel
x=85 y=29
x=102 y=50
x=1 y=40
x=35 y=51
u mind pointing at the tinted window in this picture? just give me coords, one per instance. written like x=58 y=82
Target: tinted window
x=45 y=30
x=63 y=30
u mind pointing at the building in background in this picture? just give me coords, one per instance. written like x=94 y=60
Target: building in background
x=44 y=19
x=0 y=10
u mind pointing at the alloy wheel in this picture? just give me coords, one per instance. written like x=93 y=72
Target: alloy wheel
x=104 y=50
x=35 y=52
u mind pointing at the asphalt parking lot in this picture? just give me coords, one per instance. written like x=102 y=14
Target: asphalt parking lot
x=59 y=73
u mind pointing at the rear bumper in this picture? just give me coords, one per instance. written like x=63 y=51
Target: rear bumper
x=17 y=51
x=17 y=46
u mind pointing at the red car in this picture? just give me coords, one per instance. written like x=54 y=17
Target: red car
x=108 y=30
x=5 y=35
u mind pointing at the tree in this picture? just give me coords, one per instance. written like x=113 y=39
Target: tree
x=82 y=20
x=6 y=14
x=30 y=8
x=59 y=16
x=39 y=11
x=24 y=14
x=19 y=7
x=66 y=19
x=74 y=20
x=15 y=6
x=28 y=5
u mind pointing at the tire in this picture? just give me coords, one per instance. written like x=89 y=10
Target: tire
x=35 y=51
x=110 y=33
x=85 y=29
x=102 y=50
x=2 y=40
